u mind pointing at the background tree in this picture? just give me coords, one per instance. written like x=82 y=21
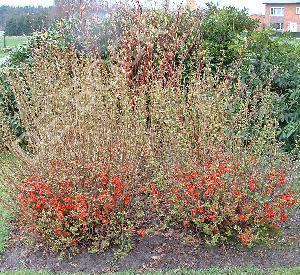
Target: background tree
x=220 y=28
x=7 y=12
x=26 y=24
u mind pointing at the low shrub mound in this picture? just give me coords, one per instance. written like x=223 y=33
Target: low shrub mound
x=221 y=199
x=82 y=210
x=228 y=197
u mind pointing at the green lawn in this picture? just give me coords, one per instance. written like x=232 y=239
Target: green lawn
x=5 y=215
x=213 y=271
x=3 y=226
x=26 y=272
x=11 y=42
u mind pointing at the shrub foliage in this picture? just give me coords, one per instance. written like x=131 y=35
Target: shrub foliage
x=110 y=151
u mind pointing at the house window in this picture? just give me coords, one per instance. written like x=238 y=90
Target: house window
x=298 y=10
x=277 y=11
x=277 y=26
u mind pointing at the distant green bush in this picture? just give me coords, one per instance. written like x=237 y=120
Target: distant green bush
x=275 y=62
x=220 y=28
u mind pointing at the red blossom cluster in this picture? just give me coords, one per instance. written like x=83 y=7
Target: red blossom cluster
x=66 y=211
x=224 y=197
x=220 y=197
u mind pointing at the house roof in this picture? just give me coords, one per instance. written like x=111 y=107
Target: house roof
x=281 y=2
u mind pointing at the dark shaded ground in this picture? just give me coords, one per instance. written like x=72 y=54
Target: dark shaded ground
x=161 y=252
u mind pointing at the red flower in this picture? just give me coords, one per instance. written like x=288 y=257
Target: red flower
x=209 y=190
x=104 y=179
x=286 y=197
x=69 y=203
x=252 y=185
x=270 y=213
x=60 y=216
x=242 y=217
x=154 y=191
x=288 y=200
x=43 y=199
x=48 y=191
x=141 y=233
x=237 y=194
x=81 y=197
x=73 y=242
x=117 y=182
x=83 y=215
x=201 y=219
x=38 y=205
x=117 y=193
x=53 y=201
x=127 y=199
x=201 y=209
x=246 y=237
x=212 y=217
x=60 y=232
x=282 y=179
x=194 y=212
x=105 y=221
x=32 y=198
x=99 y=214
x=60 y=207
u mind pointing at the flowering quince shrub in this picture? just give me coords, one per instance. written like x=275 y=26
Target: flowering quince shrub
x=107 y=157
x=74 y=211
x=223 y=200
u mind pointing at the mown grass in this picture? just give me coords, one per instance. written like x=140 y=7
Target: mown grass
x=11 y=42
x=225 y=271
x=5 y=215
x=26 y=272
x=212 y=271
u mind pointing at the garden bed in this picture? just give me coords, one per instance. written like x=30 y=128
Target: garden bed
x=168 y=250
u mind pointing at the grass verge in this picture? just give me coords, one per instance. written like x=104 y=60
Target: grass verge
x=211 y=271
x=10 y=43
x=5 y=215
